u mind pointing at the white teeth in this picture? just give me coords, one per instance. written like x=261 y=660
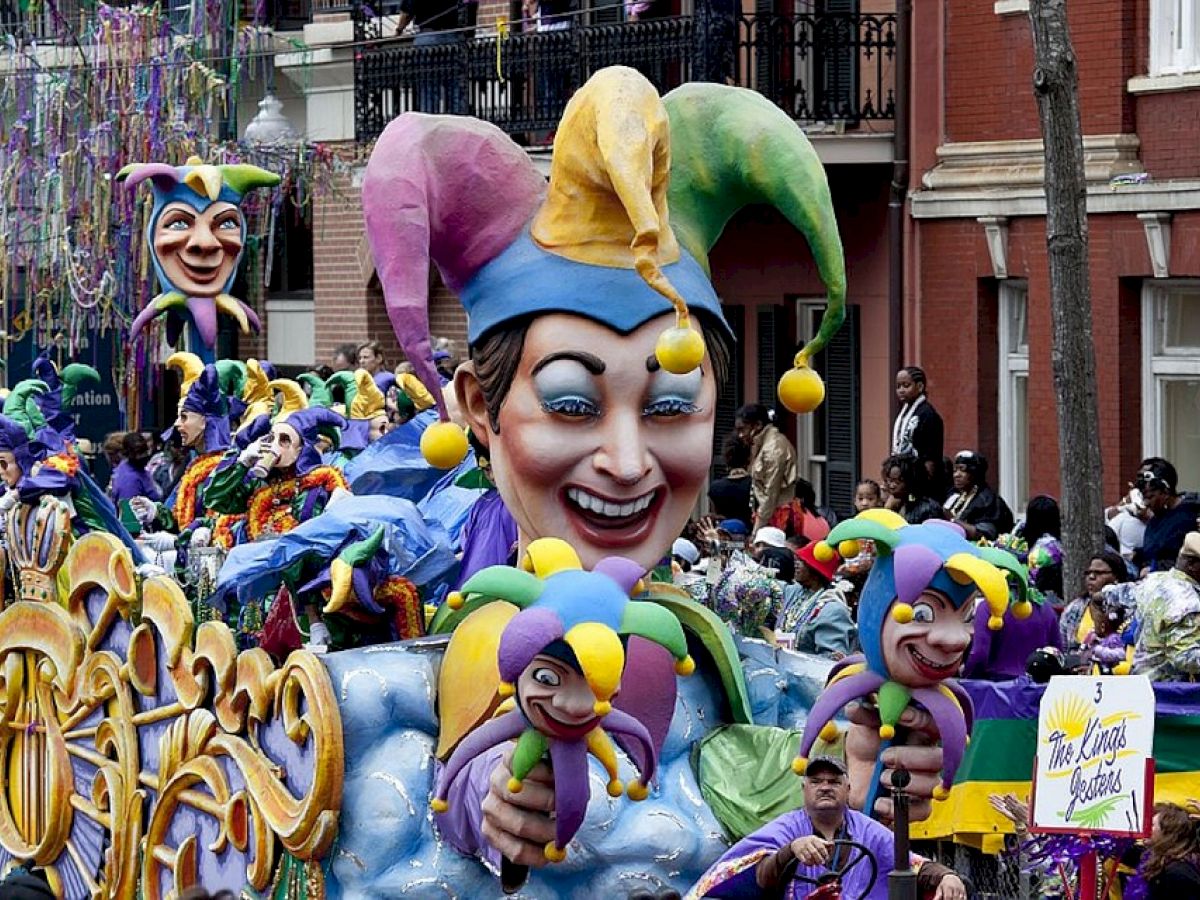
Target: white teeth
x=592 y=503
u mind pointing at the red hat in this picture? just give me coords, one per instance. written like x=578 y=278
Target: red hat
x=827 y=569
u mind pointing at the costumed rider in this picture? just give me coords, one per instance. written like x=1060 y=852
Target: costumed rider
x=366 y=413
x=182 y=521
x=36 y=462
x=597 y=347
x=279 y=481
x=196 y=233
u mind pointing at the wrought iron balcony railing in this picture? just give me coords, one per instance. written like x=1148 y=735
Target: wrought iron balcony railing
x=833 y=68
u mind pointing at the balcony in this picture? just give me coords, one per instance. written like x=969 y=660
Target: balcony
x=832 y=70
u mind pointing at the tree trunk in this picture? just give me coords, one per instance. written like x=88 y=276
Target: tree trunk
x=1073 y=354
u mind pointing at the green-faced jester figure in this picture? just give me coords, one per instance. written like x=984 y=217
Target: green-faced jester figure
x=196 y=233
x=561 y=660
x=915 y=623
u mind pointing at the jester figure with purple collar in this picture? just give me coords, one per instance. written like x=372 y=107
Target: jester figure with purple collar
x=915 y=622
x=196 y=233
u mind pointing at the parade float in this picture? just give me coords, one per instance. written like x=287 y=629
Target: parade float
x=165 y=723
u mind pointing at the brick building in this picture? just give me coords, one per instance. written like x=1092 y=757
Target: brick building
x=976 y=249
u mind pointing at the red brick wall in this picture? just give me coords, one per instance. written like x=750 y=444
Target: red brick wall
x=989 y=69
x=1167 y=126
x=959 y=348
x=348 y=310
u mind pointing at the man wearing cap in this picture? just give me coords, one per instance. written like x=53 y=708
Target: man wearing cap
x=801 y=845
x=1168 y=646
x=816 y=611
x=769 y=536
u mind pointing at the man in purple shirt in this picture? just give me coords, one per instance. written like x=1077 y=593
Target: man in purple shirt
x=787 y=857
x=130 y=478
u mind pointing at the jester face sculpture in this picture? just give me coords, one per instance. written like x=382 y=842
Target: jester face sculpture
x=198 y=251
x=286 y=445
x=196 y=231
x=915 y=624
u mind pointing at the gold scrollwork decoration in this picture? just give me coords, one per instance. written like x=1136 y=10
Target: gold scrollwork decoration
x=121 y=670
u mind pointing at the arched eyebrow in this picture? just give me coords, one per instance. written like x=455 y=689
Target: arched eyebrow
x=594 y=364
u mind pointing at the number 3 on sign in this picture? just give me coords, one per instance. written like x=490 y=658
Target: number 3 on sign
x=1099 y=692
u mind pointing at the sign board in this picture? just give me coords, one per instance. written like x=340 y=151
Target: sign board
x=1094 y=770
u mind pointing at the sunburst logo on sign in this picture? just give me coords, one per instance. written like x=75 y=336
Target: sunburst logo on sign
x=1070 y=715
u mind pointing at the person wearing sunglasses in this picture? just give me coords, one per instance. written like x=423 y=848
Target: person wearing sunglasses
x=1172 y=516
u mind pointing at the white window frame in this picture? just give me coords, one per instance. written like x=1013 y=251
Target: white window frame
x=1176 y=366
x=1013 y=365
x=1174 y=37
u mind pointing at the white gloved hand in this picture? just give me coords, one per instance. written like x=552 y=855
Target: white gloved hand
x=143 y=509
x=250 y=455
x=158 y=541
x=8 y=500
x=149 y=570
x=201 y=537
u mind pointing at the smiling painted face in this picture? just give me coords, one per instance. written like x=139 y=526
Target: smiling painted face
x=596 y=444
x=198 y=251
x=556 y=698
x=931 y=647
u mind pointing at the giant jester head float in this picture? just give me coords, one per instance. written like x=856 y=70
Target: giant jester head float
x=915 y=622
x=596 y=335
x=561 y=660
x=196 y=233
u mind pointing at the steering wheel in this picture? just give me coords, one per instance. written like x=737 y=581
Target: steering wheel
x=858 y=853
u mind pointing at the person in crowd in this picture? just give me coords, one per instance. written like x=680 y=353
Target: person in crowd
x=370 y=357
x=1075 y=623
x=130 y=478
x=1111 y=643
x=767 y=536
x=1168 y=604
x=800 y=843
x=685 y=569
x=980 y=511
x=904 y=483
x=918 y=429
x=772 y=464
x=867 y=495
x=1171 y=516
x=925 y=509
x=815 y=609
x=170 y=470
x=780 y=560
x=1171 y=867
x=802 y=515
x=730 y=496
x=345 y=357
x=1128 y=522
x=111 y=448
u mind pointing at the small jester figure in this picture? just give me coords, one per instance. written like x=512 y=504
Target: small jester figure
x=279 y=481
x=561 y=659
x=196 y=232
x=915 y=622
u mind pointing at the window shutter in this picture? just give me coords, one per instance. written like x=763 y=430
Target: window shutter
x=731 y=394
x=772 y=350
x=839 y=365
x=836 y=52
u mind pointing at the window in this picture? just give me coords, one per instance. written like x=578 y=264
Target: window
x=1014 y=402
x=1174 y=37
x=1171 y=375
